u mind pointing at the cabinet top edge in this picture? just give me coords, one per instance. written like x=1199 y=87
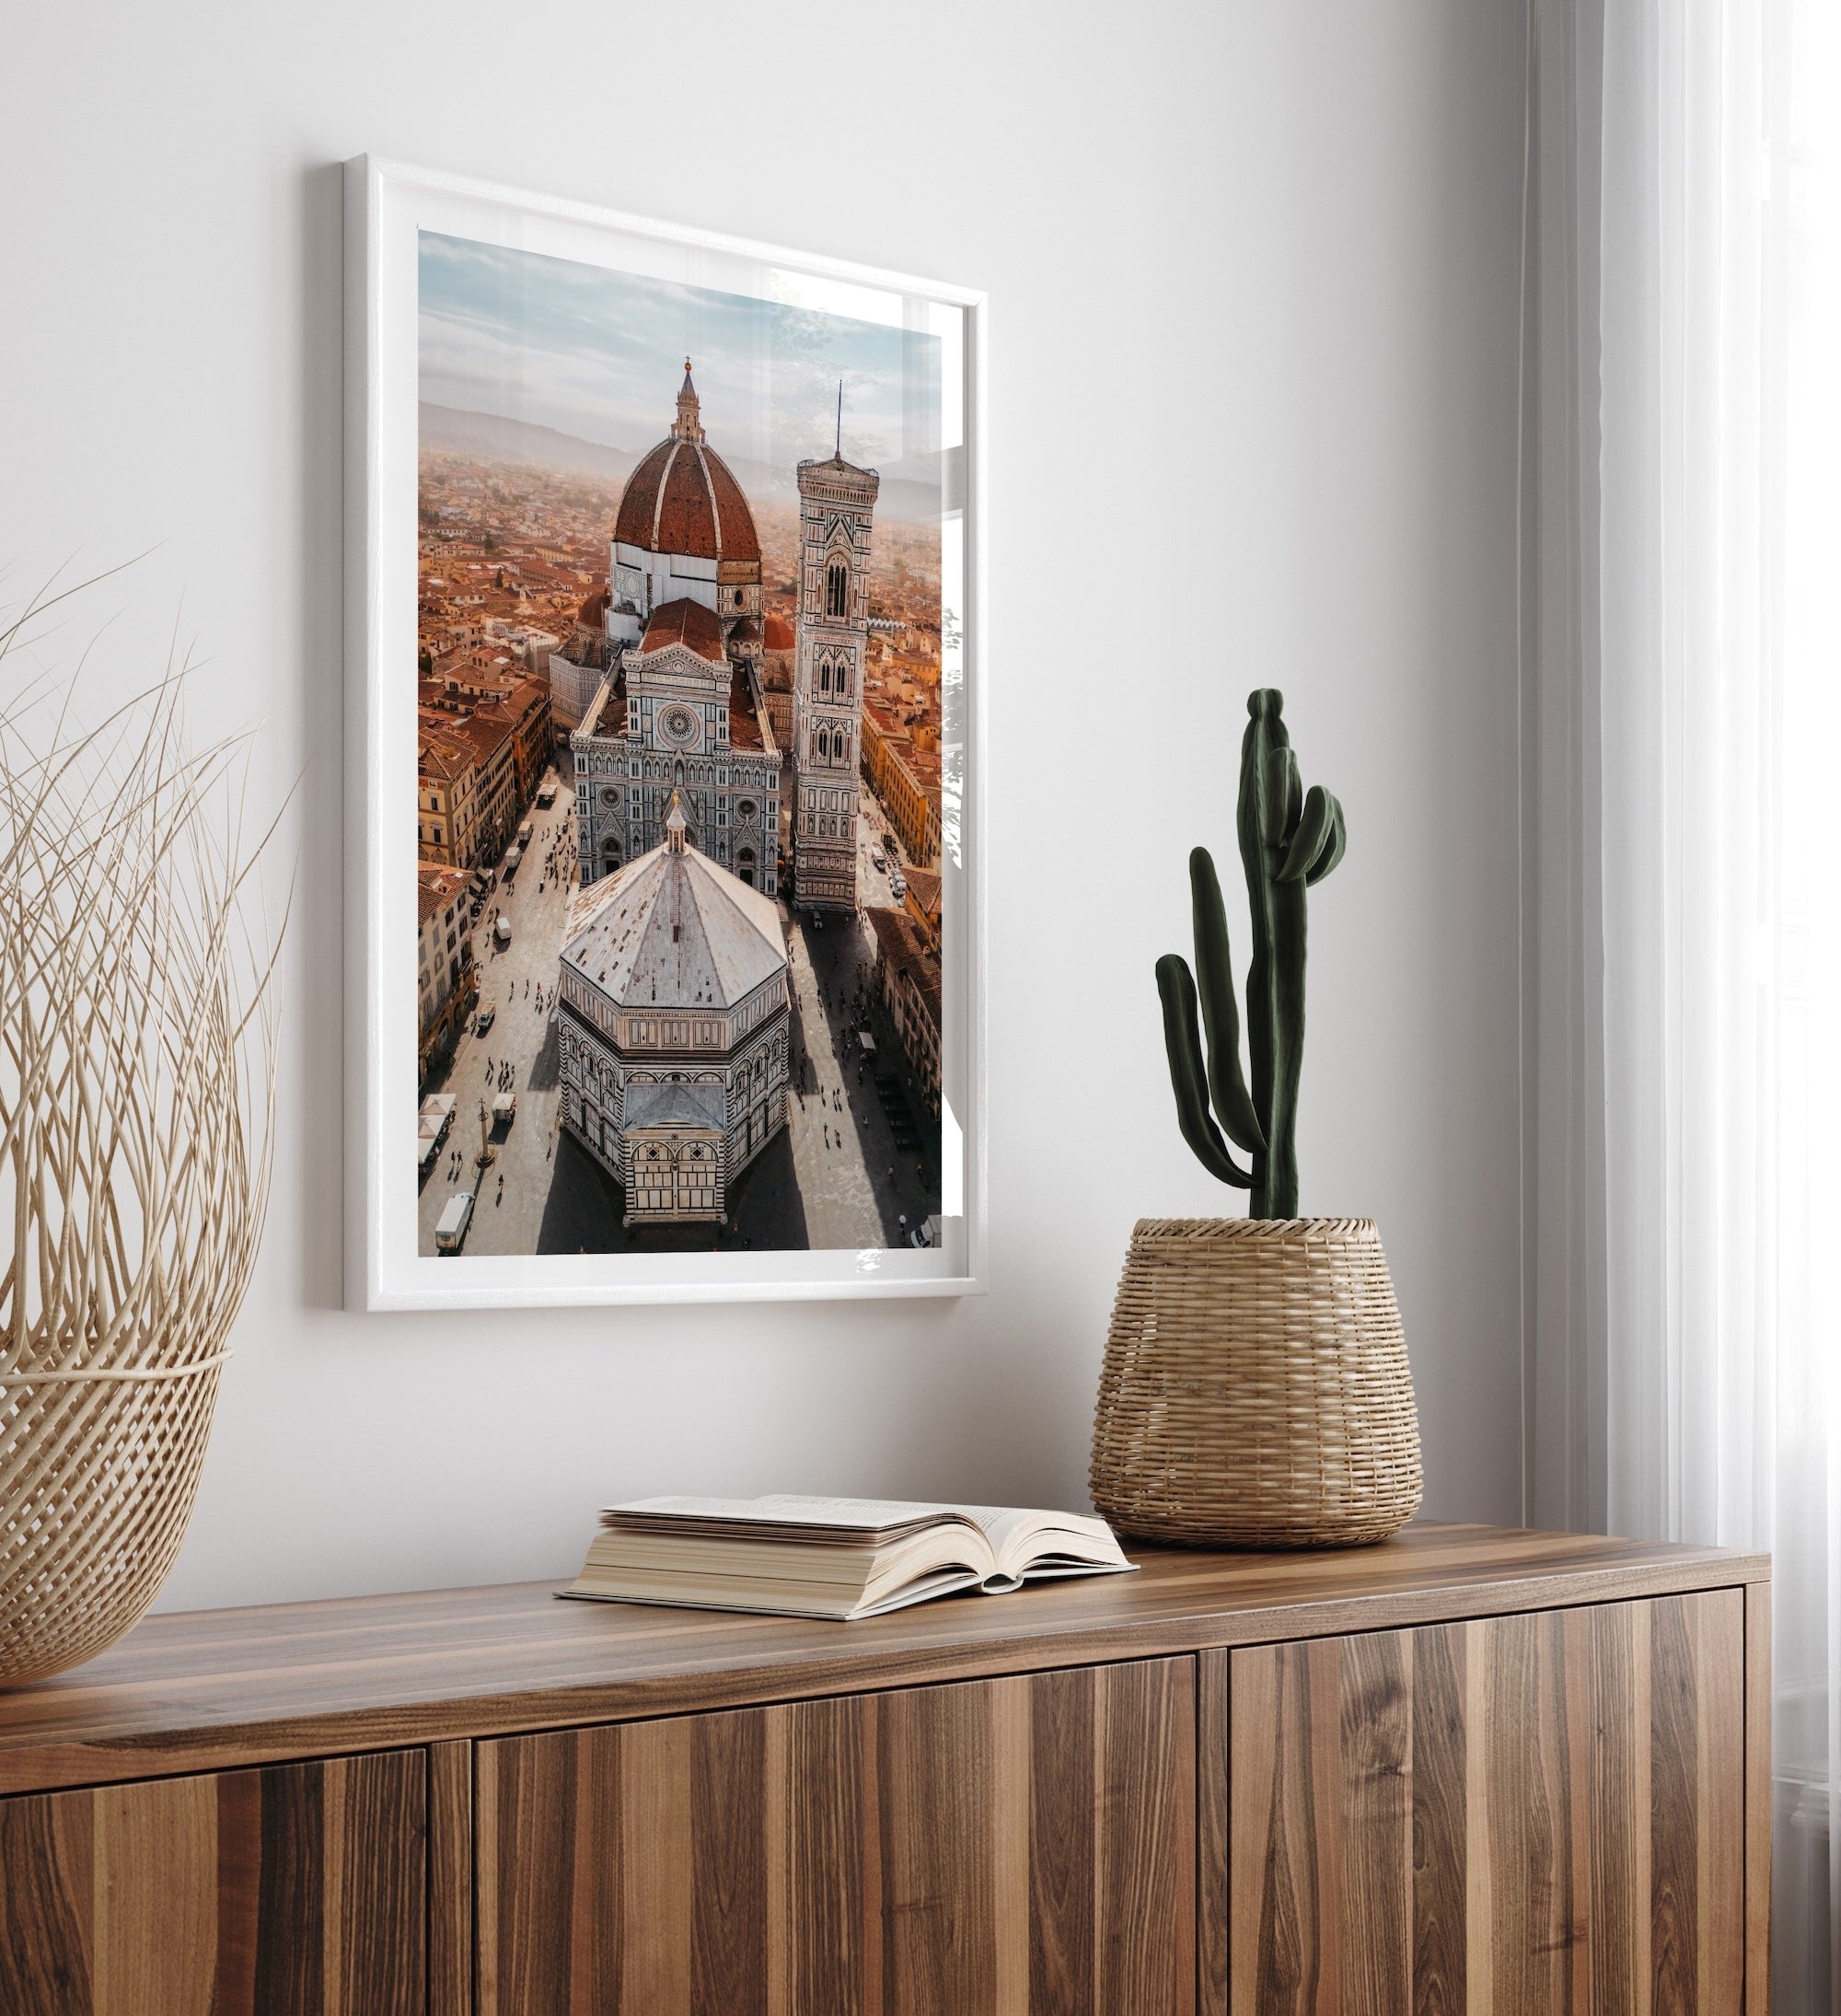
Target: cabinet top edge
x=204 y=1690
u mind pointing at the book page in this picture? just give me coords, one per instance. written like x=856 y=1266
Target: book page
x=1065 y=1543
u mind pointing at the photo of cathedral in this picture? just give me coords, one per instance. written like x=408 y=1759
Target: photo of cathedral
x=679 y=768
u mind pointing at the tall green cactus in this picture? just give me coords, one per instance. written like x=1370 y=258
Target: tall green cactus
x=1288 y=839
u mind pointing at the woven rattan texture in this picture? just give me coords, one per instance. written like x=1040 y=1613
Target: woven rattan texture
x=1255 y=1390
x=97 y=1480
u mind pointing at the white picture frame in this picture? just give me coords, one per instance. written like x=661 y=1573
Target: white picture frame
x=388 y=205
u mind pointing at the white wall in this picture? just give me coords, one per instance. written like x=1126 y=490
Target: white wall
x=1253 y=272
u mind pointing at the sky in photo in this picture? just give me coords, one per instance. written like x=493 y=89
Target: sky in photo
x=600 y=355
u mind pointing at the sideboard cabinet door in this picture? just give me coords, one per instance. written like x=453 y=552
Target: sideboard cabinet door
x=1002 y=1846
x=295 y=1891
x=1520 y=1814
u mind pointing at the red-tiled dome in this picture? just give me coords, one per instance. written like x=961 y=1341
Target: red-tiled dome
x=747 y=631
x=779 y=633
x=682 y=499
x=594 y=609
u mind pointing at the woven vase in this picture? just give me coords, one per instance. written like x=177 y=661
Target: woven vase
x=1255 y=1391
x=98 y=1474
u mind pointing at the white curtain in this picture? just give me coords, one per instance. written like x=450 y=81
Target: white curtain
x=1681 y=725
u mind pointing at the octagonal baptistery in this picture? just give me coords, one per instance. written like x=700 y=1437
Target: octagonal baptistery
x=683 y=529
x=674 y=1029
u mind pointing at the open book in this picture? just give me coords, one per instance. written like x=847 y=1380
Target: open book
x=831 y=1556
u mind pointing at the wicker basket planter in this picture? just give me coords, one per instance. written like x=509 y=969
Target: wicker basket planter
x=98 y=1474
x=1255 y=1391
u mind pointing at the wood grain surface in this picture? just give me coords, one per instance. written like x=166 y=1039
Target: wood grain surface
x=216 y=1689
x=1211 y=1833
x=1001 y=1847
x=450 y=1879
x=293 y=1892
x=1518 y=1816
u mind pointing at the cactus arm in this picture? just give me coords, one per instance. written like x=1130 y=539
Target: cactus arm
x=1188 y=1079
x=1314 y=829
x=1333 y=848
x=1221 y=1011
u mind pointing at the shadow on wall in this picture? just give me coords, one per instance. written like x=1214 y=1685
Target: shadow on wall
x=318 y=963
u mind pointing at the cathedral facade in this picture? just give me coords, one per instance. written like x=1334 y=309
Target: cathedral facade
x=679 y=715
x=694 y=707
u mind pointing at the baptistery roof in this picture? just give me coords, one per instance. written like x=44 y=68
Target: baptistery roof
x=672 y=930
x=682 y=497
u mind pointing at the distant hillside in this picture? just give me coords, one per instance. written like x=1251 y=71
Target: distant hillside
x=490 y=434
x=458 y=432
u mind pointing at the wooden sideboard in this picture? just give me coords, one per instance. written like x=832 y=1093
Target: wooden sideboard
x=1468 y=1769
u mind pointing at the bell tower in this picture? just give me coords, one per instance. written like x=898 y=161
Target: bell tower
x=837 y=504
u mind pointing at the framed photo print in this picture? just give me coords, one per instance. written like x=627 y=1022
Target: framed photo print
x=664 y=781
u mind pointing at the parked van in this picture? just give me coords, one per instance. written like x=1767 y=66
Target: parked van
x=501 y=932
x=524 y=835
x=508 y=867
x=457 y=1215
x=504 y=1110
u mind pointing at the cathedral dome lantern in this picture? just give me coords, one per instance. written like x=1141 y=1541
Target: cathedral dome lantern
x=689 y=425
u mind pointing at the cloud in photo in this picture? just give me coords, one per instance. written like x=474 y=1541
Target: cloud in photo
x=600 y=356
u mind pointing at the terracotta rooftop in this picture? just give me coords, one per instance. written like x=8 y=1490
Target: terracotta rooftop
x=897 y=936
x=488 y=732
x=594 y=609
x=443 y=752
x=907 y=954
x=524 y=693
x=779 y=633
x=435 y=887
x=685 y=622
x=682 y=499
